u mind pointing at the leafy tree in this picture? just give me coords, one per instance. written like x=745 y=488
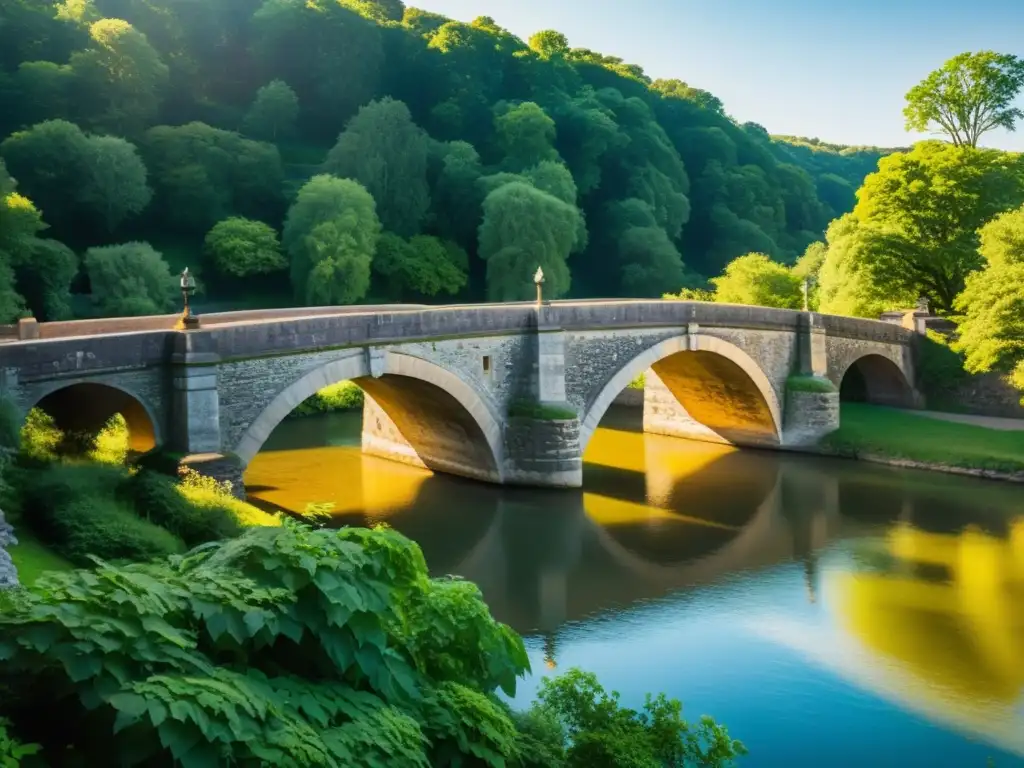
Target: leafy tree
x=649 y=262
x=526 y=136
x=423 y=265
x=549 y=43
x=970 y=95
x=273 y=113
x=70 y=174
x=130 y=279
x=680 y=90
x=122 y=74
x=928 y=204
x=808 y=267
x=116 y=186
x=386 y=152
x=457 y=195
x=756 y=279
x=243 y=247
x=524 y=228
x=43 y=91
x=992 y=304
x=331 y=234
x=599 y=731
x=202 y=175
x=846 y=281
x=44 y=270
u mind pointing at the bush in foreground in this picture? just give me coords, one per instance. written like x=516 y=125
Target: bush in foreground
x=297 y=647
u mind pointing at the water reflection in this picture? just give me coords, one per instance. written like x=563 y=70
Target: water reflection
x=862 y=597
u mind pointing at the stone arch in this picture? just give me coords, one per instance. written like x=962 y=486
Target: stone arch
x=876 y=379
x=86 y=406
x=718 y=384
x=441 y=421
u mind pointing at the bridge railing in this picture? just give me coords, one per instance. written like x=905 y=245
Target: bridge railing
x=570 y=313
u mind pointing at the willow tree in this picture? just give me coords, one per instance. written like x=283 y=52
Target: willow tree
x=330 y=234
x=524 y=228
x=385 y=151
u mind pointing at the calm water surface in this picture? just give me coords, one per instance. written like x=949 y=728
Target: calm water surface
x=829 y=613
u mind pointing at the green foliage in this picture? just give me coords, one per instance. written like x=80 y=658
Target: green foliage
x=10 y=426
x=122 y=74
x=385 y=151
x=923 y=210
x=40 y=437
x=809 y=384
x=111 y=444
x=343 y=396
x=598 y=730
x=530 y=410
x=940 y=370
x=130 y=279
x=11 y=750
x=77 y=511
x=637 y=383
x=330 y=234
x=163 y=501
x=991 y=330
x=286 y=646
x=756 y=279
x=273 y=112
x=116 y=184
x=202 y=175
x=970 y=95
x=423 y=266
x=526 y=135
x=524 y=228
x=243 y=247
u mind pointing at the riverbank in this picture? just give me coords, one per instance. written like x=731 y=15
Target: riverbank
x=907 y=439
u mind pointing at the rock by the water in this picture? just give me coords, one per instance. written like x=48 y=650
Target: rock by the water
x=8 y=573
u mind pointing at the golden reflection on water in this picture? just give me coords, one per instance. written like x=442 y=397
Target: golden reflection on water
x=946 y=613
x=931 y=621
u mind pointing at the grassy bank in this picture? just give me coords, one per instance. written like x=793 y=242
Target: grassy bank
x=886 y=433
x=32 y=558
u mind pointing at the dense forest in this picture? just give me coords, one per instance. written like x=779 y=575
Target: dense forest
x=369 y=151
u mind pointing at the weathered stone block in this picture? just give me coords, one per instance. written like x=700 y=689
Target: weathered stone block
x=810 y=416
x=543 y=452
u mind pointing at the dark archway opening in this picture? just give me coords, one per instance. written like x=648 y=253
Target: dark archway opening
x=876 y=380
x=82 y=411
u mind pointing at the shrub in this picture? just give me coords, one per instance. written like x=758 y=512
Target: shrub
x=40 y=437
x=110 y=445
x=637 y=383
x=10 y=425
x=161 y=500
x=343 y=396
x=207 y=492
x=79 y=511
x=940 y=370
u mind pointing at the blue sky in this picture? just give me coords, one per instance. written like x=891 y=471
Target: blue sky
x=835 y=69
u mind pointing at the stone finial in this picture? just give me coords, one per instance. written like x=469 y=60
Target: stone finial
x=922 y=305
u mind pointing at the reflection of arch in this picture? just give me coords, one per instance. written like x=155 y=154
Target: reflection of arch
x=875 y=379
x=435 y=411
x=86 y=407
x=717 y=383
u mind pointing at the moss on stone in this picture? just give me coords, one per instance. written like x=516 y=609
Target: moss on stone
x=813 y=384
x=532 y=410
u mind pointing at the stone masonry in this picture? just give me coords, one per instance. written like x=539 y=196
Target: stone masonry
x=442 y=381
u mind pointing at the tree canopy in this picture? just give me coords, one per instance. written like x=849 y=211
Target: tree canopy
x=968 y=96
x=153 y=121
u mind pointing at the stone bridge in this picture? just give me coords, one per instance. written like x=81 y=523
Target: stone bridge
x=505 y=393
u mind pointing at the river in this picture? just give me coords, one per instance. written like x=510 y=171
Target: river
x=829 y=613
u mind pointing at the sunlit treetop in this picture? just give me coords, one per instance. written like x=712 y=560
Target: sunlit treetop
x=970 y=95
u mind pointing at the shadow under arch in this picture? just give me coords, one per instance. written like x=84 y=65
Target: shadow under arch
x=86 y=407
x=716 y=382
x=447 y=425
x=877 y=380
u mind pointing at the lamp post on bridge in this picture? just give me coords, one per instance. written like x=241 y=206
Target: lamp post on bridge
x=806 y=286
x=538 y=279
x=188 y=287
